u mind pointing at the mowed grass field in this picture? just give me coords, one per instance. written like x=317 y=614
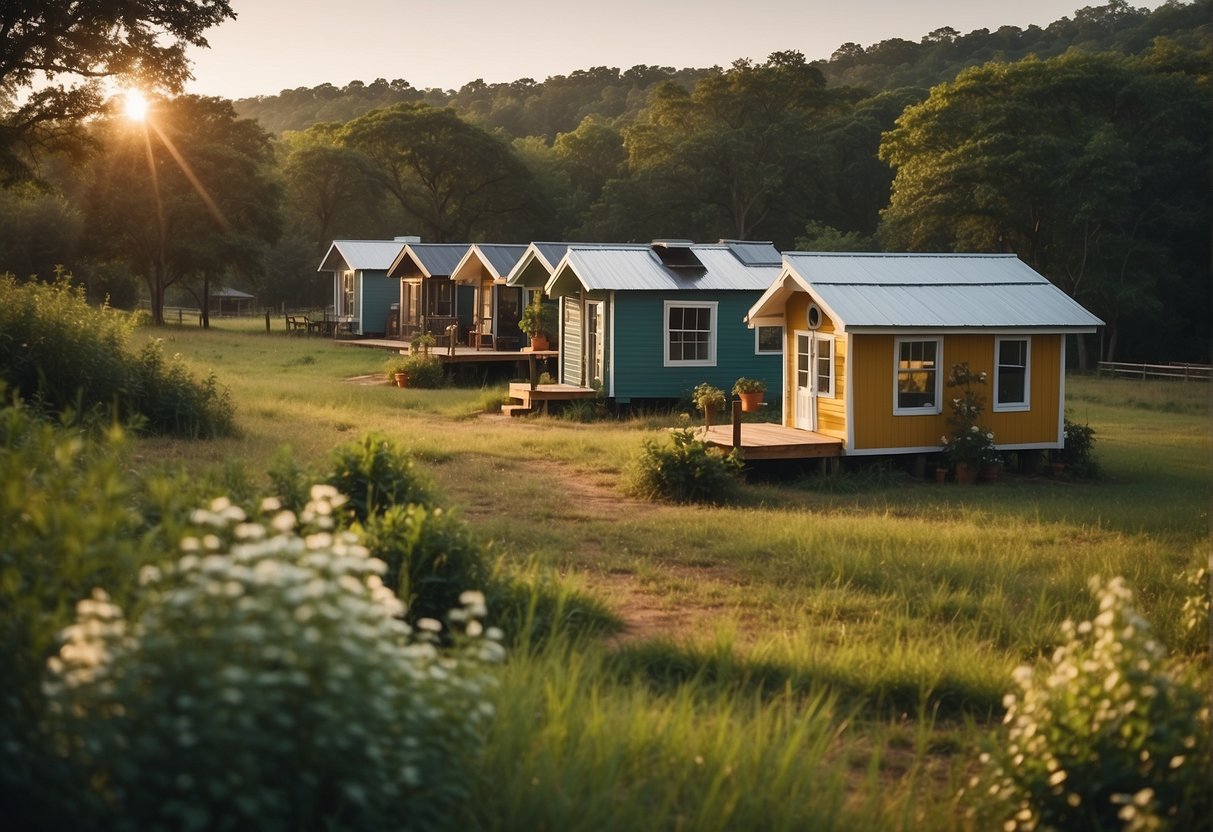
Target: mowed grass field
x=823 y=653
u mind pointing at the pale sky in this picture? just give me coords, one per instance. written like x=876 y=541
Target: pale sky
x=282 y=44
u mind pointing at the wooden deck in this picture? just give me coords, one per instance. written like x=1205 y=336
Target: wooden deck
x=763 y=440
x=460 y=355
x=541 y=394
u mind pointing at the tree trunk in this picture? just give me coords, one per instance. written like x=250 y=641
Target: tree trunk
x=204 y=303
x=1082 y=352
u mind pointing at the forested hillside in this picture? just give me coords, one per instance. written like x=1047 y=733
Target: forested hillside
x=527 y=107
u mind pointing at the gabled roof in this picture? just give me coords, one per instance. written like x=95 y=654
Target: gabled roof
x=923 y=291
x=430 y=259
x=230 y=293
x=497 y=258
x=360 y=255
x=535 y=265
x=679 y=267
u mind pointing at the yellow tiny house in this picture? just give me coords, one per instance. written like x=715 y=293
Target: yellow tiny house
x=870 y=338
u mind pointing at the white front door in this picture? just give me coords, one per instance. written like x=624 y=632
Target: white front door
x=806 y=412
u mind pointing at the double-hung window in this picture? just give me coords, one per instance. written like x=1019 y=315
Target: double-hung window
x=348 y=306
x=916 y=374
x=1012 y=374
x=690 y=333
x=825 y=366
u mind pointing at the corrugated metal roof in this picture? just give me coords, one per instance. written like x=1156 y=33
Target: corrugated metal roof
x=935 y=290
x=637 y=267
x=435 y=259
x=500 y=258
x=358 y=255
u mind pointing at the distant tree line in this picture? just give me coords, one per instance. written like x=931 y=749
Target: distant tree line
x=1092 y=165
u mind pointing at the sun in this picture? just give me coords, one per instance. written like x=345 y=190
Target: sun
x=136 y=105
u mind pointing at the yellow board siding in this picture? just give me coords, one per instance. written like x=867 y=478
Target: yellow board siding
x=831 y=410
x=872 y=374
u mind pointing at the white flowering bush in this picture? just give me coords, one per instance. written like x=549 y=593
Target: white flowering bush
x=269 y=682
x=1105 y=736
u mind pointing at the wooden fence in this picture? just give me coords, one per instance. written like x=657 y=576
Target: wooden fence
x=1185 y=372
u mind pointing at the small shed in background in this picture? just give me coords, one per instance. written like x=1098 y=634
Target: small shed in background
x=230 y=303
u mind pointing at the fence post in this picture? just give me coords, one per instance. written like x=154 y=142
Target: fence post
x=267 y=322
x=736 y=423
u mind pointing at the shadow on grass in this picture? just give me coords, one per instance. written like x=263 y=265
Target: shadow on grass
x=664 y=668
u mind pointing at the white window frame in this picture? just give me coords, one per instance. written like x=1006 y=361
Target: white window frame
x=918 y=411
x=1026 y=404
x=665 y=332
x=758 y=350
x=823 y=339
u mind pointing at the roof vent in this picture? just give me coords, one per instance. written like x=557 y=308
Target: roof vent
x=406 y=238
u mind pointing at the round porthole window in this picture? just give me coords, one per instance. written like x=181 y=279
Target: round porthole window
x=813 y=316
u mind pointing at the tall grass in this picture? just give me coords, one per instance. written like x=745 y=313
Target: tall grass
x=858 y=639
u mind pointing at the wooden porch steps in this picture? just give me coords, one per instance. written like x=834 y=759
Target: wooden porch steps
x=515 y=409
x=541 y=394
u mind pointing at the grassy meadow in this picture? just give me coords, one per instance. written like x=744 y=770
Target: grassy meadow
x=825 y=653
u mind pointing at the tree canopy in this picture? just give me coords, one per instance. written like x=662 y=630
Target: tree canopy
x=54 y=52
x=1093 y=168
x=188 y=197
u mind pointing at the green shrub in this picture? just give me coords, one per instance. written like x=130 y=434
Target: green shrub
x=1107 y=735
x=270 y=684
x=374 y=474
x=430 y=555
x=61 y=353
x=685 y=471
x=425 y=371
x=1078 y=451
x=67 y=527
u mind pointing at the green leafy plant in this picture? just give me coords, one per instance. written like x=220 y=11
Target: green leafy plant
x=749 y=385
x=1078 y=451
x=969 y=442
x=708 y=400
x=422 y=342
x=685 y=471
x=374 y=474
x=431 y=557
x=537 y=319
x=1106 y=735
x=308 y=704
x=424 y=370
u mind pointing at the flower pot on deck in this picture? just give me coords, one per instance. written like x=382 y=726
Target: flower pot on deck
x=941 y=475
x=989 y=473
x=966 y=474
x=750 y=402
x=539 y=343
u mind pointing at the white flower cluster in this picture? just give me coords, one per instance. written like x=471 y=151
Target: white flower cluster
x=269 y=681
x=1105 y=730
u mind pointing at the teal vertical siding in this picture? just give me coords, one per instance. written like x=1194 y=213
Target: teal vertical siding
x=639 y=347
x=379 y=292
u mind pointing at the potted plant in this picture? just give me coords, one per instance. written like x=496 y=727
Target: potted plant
x=536 y=322
x=969 y=444
x=709 y=399
x=750 y=391
x=397 y=371
x=421 y=343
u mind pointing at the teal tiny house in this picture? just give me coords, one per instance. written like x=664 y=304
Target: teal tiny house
x=653 y=321
x=363 y=294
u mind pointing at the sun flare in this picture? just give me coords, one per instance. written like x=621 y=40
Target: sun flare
x=136 y=105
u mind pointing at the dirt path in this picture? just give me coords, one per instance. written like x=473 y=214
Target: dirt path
x=647 y=607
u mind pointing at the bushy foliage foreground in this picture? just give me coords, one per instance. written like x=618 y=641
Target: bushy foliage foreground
x=60 y=353
x=1108 y=734
x=232 y=666
x=268 y=681
x=686 y=470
